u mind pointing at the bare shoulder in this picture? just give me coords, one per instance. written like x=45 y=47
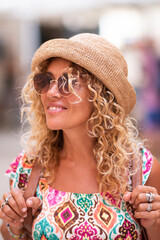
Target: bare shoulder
x=154 y=178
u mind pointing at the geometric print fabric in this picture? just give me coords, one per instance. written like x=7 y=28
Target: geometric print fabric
x=76 y=216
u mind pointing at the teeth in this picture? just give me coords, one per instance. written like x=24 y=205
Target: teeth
x=53 y=108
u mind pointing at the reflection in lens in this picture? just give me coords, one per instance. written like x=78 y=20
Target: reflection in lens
x=63 y=85
x=66 y=85
x=41 y=83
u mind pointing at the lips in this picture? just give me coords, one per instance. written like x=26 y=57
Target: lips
x=55 y=107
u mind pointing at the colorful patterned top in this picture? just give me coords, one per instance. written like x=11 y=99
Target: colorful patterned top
x=75 y=216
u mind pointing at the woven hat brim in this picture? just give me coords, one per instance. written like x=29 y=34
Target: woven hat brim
x=106 y=67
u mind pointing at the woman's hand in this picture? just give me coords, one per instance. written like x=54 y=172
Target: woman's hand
x=147 y=211
x=13 y=208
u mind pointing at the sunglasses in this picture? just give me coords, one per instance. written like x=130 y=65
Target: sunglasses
x=44 y=81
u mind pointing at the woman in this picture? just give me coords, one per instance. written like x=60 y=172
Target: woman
x=77 y=101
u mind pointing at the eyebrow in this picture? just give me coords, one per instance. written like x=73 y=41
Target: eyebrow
x=52 y=75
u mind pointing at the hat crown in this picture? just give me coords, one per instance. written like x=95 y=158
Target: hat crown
x=103 y=46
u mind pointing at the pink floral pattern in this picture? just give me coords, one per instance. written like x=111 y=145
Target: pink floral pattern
x=13 y=167
x=54 y=196
x=85 y=230
x=148 y=164
x=147 y=159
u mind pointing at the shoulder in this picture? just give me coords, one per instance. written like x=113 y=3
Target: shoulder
x=19 y=170
x=21 y=161
x=154 y=177
x=19 y=173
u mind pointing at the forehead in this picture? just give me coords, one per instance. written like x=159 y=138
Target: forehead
x=58 y=65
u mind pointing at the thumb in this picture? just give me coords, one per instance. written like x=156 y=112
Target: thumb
x=127 y=196
x=34 y=202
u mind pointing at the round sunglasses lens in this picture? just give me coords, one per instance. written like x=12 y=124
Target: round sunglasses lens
x=41 y=83
x=63 y=85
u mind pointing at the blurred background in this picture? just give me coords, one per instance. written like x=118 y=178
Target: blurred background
x=132 y=25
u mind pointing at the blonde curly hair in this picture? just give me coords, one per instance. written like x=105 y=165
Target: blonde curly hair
x=117 y=143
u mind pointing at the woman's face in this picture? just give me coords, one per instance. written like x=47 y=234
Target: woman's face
x=63 y=112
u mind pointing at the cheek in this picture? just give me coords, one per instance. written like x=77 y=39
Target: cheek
x=83 y=111
x=83 y=108
x=43 y=102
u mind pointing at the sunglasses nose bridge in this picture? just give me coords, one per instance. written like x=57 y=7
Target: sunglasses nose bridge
x=53 y=88
x=52 y=82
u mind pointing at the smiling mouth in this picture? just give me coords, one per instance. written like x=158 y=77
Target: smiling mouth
x=56 y=109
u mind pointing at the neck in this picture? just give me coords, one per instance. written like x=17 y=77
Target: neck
x=77 y=146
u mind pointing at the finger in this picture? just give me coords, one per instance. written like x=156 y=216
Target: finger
x=34 y=202
x=127 y=196
x=141 y=198
x=9 y=213
x=147 y=215
x=20 y=206
x=6 y=218
x=141 y=189
x=12 y=209
x=147 y=222
x=11 y=221
x=158 y=221
x=142 y=207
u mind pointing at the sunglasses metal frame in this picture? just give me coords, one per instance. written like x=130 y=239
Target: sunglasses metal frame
x=66 y=94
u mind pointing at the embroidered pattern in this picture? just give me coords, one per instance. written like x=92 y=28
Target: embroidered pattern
x=73 y=216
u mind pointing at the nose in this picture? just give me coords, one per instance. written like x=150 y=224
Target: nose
x=53 y=90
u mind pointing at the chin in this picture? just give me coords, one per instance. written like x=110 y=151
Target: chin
x=53 y=125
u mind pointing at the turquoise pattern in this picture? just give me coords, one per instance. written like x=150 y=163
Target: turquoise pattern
x=84 y=201
x=43 y=230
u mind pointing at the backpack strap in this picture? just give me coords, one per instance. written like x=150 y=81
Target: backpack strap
x=30 y=192
x=136 y=181
x=136 y=178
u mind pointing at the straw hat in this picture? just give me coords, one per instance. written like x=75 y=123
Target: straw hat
x=99 y=57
